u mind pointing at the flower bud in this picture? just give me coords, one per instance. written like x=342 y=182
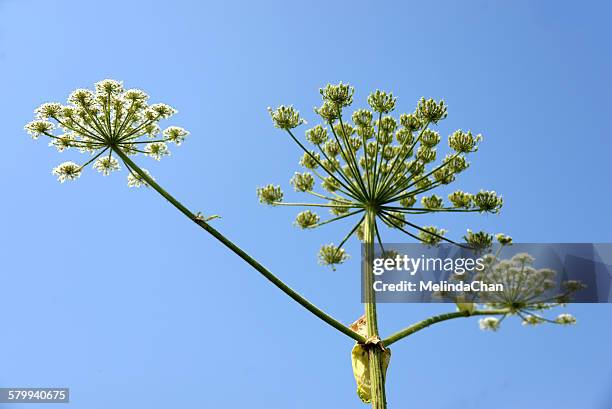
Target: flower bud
x=404 y=136
x=331 y=148
x=343 y=130
x=384 y=138
x=387 y=124
x=362 y=118
x=328 y=112
x=456 y=163
x=340 y=95
x=488 y=201
x=424 y=183
x=366 y=132
x=444 y=175
x=360 y=231
x=285 y=117
x=410 y=122
x=270 y=194
x=330 y=184
x=503 y=239
x=430 y=111
x=339 y=207
x=461 y=199
x=408 y=201
x=330 y=255
x=431 y=236
x=388 y=153
x=309 y=160
x=463 y=142
x=331 y=164
x=432 y=202
x=479 y=240
x=426 y=154
x=371 y=149
x=355 y=143
x=381 y=102
x=307 y=219
x=430 y=138
x=395 y=220
x=316 y=135
x=302 y=182
x=416 y=167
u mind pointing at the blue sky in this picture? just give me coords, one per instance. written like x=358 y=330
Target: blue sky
x=112 y=293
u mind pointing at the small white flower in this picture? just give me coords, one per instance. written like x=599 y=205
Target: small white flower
x=565 y=319
x=63 y=142
x=47 y=110
x=106 y=165
x=175 y=134
x=135 y=95
x=108 y=86
x=163 y=111
x=156 y=150
x=135 y=180
x=489 y=324
x=36 y=128
x=81 y=97
x=67 y=171
x=532 y=320
x=152 y=130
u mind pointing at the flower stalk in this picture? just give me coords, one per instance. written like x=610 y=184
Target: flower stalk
x=241 y=253
x=440 y=318
x=375 y=347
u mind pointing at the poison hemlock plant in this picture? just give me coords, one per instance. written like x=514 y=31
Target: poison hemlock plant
x=373 y=169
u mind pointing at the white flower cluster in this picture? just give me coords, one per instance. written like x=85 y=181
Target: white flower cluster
x=110 y=123
x=527 y=291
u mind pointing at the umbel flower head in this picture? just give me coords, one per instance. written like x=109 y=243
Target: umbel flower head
x=528 y=292
x=106 y=123
x=367 y=160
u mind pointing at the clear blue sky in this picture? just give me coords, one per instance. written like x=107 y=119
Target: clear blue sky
x=113 y=293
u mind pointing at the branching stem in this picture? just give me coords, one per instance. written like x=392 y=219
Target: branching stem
x=438 y=318
x=241 y=253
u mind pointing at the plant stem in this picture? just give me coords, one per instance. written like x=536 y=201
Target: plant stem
x=242 y=254
x=438 y=318
x=375 y=350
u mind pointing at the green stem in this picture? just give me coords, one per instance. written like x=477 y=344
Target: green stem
x=375 y=351
x=242 y=254
x=340 y=206
x=438 y=318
